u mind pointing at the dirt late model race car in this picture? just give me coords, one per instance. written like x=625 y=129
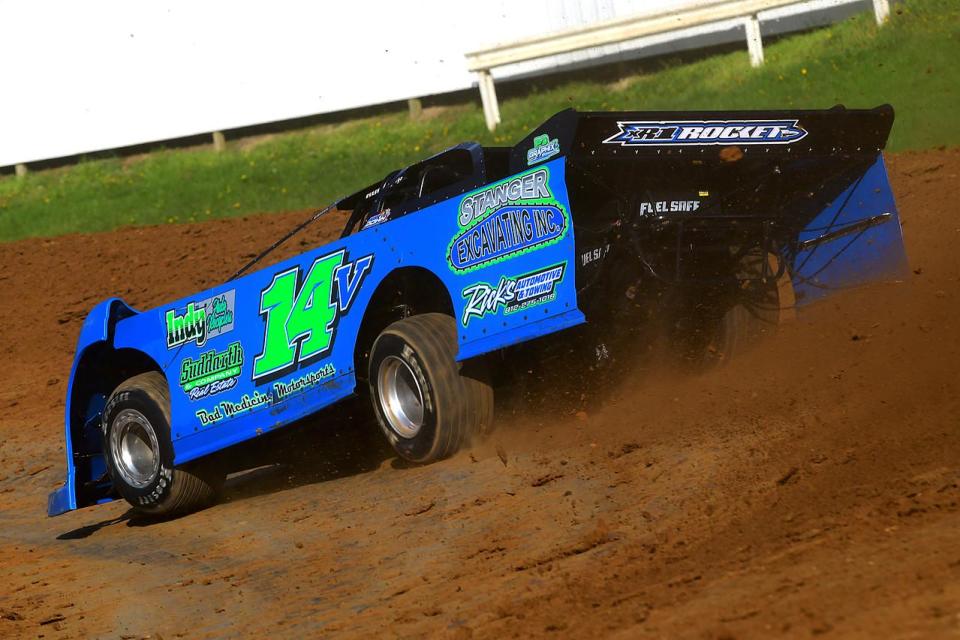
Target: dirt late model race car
x=712 y=224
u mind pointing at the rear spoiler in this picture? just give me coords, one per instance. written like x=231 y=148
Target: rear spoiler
x=812 y=183
x=631 y=134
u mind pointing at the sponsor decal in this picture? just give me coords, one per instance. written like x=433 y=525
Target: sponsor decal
x=529 y=187
x=301 y=313
x=483 y=298
x=226 y=409
x=283 y=389
x=230 y=409
x=593 y=255
x=543 y=148
x=506 y=219
x=668 y=206
x=211 y=372
x=512 y=294
x=725 y=132
x=381 y=217
x=200 y=321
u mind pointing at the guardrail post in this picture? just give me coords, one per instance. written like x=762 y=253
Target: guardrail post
x=219 y=141
x=754 y=43
x=881 y=10
x=488 y=97
x=20 y=169
x=416 y=108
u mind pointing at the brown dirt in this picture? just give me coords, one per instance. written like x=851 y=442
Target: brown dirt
x=809 y=489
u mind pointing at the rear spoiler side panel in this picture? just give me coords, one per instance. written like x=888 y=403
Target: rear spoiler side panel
x=855 y=240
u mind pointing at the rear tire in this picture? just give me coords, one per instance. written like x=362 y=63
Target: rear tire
x=139 y=452
x=426 y=405
x=766 y=305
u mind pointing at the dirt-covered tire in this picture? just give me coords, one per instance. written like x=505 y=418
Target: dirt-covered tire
x=736 y=332
x=426 y=403
x=768 y=306
x=139 y=454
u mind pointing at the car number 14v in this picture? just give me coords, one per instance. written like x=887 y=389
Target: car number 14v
x=301 y=315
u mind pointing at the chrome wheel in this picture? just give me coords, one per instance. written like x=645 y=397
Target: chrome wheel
x=400 y=396
x=134 y=448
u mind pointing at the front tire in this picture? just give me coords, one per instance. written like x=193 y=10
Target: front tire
x=425 y=403
x=139 y=454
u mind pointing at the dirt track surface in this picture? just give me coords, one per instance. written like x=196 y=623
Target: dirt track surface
x=809 y=489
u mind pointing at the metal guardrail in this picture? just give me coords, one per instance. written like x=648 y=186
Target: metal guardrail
x=629 y=28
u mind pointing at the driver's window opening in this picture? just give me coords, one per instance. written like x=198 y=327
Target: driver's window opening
x=412 y=189
x=427 y=179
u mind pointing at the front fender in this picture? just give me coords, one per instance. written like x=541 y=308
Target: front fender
x=97 y=329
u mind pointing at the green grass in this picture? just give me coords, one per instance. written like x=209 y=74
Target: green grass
x=910 y=63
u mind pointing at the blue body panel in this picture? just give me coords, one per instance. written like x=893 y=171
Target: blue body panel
x=231 y=405
x=866 y=253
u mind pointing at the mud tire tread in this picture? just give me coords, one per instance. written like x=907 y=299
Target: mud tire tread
x=463 y=404
x=190 y=488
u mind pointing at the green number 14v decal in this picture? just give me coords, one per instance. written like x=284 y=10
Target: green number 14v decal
x=302 y=316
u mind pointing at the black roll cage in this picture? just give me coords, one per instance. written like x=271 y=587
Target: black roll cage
x=371 y=201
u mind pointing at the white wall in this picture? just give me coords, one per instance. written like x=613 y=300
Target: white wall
x=99 y=74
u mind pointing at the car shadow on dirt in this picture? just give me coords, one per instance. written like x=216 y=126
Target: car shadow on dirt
x=344 y=440
x=88 y=530
x=341 y=441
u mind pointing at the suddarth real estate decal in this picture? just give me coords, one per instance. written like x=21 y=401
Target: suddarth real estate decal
x=200 y=321
x=509 y=218
x=512 y=294
x=211 y=372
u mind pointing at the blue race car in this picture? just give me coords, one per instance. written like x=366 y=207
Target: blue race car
x=710 y=225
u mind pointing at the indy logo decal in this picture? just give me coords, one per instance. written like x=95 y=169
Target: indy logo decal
x=200 y=321
x=708 y=132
